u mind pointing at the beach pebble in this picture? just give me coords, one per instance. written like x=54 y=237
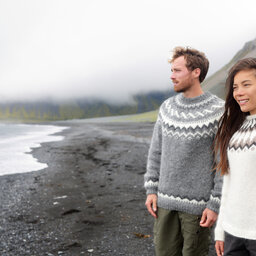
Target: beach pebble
x=60 y=197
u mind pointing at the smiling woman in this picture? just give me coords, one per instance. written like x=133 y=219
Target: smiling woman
x=236 y=142
x=245 y=90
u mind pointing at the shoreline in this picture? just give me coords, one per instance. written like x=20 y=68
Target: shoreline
x=90 y=199
x=17 y=143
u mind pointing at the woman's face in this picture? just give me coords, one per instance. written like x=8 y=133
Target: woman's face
x=244 y=90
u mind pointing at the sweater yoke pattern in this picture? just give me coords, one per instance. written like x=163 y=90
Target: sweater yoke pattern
x=183 y=120
x=245 y=138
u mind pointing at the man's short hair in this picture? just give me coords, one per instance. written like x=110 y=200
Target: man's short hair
x=194 y=59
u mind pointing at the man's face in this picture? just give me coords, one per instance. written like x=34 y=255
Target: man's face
x=181 y=77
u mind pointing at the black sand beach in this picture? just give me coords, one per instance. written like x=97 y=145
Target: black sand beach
x=89 y=201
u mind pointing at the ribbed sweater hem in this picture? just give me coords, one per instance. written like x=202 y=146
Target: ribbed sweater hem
x=177 y=205
x=239 y=232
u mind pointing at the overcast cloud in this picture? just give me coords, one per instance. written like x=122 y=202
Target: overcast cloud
x=111 y=49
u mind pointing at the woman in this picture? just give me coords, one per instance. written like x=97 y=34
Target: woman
x=236 y=144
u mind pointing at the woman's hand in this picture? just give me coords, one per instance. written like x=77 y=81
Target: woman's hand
x=219 y=247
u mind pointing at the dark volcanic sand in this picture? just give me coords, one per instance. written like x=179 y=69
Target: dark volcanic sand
x=89 y=201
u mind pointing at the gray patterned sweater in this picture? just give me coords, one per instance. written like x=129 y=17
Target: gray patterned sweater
x=180 y=157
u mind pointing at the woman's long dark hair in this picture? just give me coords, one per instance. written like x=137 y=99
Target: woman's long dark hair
x=232 y=118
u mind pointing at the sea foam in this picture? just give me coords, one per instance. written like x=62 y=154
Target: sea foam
x=18 y=140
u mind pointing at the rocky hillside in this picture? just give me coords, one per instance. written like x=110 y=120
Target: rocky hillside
x=216 y=82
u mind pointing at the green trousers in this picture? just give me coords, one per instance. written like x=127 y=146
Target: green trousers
x=179 y=234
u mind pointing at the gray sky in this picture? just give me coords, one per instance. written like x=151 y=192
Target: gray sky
x=114 y=48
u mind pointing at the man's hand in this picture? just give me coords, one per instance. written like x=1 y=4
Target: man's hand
x=151 y=204
x=219 y=247
x=208 y=218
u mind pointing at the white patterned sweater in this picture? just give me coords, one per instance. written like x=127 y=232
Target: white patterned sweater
x=238 y=202
x=180 y=157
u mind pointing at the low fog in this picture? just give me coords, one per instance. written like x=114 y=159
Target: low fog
x=65 y=49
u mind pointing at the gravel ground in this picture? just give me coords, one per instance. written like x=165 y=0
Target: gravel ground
x=90 y=199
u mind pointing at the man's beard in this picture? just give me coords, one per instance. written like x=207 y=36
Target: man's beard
x=182 y=88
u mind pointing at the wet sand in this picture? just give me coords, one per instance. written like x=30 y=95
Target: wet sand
x=90 y=199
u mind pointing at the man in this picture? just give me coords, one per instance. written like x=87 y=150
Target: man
x=183 y=193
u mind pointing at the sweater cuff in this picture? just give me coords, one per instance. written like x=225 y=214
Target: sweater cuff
x=219 y=234
x=214 y=204
x=151 y=191
x=151 y=187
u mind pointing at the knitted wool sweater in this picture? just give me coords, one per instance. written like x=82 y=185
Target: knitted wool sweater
x=180 y=157
x=238 y=206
